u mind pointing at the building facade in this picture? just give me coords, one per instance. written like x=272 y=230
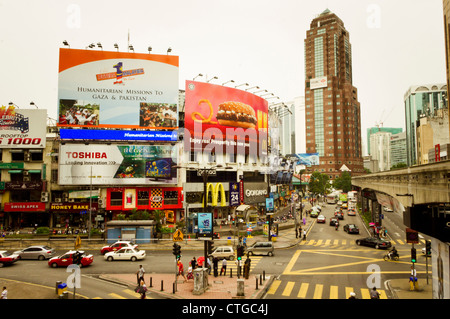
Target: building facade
x=333 y=115
x=398 y=148
x=421 y=101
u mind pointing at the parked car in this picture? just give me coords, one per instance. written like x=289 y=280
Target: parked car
x=321 y=219
x=7 y=258
x=223 y=252
x=333 y=221
x=67 y=259
x=117 y=245
x=36 y=252
x=125 y=253
x=261 y=248
x=374 y=242
x=351 y=229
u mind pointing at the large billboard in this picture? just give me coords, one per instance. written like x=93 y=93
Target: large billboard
x=219 y=117
x=102 y=164
x=117 y=89
x=22 y=128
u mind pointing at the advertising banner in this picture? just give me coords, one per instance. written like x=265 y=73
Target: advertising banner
x=255 y=193
x=117 y=89
x=103 y=164
x=308 y=159
x=317 y=83
x=234 y=194
x=221 y=117
x=205 y=225
x=22 y=128
x=118 y=135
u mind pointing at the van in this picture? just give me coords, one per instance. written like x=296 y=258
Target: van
x=223 y=252
x=261 y=248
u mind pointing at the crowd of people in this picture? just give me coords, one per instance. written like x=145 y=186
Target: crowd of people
x=78 y=116
x=158 y=115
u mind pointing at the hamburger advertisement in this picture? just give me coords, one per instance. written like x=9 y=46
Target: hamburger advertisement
x=218 y=116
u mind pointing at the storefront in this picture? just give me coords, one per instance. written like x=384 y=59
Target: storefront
x=72 y=215
x=255 y=195
x=26 y=214
x=125 y=199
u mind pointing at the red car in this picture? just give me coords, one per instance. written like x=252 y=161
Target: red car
x=7 y=258
x=116 y=246
x=67 y=259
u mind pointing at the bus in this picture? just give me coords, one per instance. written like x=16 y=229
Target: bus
x=332 y=198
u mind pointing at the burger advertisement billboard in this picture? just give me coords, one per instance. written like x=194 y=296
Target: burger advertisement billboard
x=225 y=119
x=117 y=89
x=103 y=164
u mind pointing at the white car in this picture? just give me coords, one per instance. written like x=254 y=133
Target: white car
x=126 y=253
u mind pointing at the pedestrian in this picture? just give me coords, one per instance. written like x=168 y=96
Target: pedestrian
x=304 y=234
x=142 y=289
x=374 y=294
x=296 y=232
x=4 y=294
x=239 y=265
x=181 y=270
x=224 y=267
x=352 y=295
x=140 y=274
x=216 y=266
x=193 y=263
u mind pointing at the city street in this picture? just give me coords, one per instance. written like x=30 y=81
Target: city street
x=329 y=264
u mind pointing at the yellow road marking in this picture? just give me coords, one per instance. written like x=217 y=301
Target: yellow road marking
x=116 y=296
x=274 y=287
x=334 y=292
x=318 y=292
x=303 y=289
x=288 y=289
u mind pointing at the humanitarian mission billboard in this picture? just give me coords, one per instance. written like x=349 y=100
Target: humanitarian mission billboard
x=117 y=89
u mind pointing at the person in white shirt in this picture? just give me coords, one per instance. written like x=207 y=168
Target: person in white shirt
x=4 y=294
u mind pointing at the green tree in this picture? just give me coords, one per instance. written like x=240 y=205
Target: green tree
x=343 y=182
x=319 y=183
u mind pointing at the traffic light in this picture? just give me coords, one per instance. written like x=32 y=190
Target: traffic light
x=413 y=255
x=176 y=251
x=428 y=248
x=240 y=252
x=210 y=247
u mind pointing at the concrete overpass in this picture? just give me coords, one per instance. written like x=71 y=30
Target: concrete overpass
x=423 y=192
x=414 y=185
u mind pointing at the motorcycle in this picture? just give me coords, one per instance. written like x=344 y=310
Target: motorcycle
x=336 y=225
x=390 y=256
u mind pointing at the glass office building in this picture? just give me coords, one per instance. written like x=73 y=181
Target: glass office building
x=421 y=100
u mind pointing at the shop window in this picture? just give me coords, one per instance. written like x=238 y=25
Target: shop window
x=17 y=156
x=170 y=197
x=143 y=198
x=116 y=199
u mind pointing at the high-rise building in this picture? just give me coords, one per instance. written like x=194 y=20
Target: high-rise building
x=333 y=115
x=421 y=101
x=373 y=130
x=398 y=148
x=446 y=7
x=381 y=150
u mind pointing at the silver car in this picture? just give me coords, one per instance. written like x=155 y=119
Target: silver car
x=36 y=252
x=261 y=248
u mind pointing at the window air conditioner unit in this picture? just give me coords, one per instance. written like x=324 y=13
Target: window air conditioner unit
x=58 y=200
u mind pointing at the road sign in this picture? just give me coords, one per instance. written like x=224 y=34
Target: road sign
x=78 y=242
x=412 y=236
x=178 y=235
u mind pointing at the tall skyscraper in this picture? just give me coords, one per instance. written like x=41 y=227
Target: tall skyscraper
x=333 y=115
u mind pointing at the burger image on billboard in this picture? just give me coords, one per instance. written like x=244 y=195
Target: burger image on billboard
x=236 y=114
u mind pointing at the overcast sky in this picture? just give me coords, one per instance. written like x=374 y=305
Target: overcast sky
x=395 y=44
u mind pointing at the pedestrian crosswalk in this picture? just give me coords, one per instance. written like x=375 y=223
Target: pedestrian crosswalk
x=123 y=294
x=334 y=243
x=305 y=290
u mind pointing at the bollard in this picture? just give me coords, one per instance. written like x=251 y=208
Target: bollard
x=231 y=272
x=173 y=288
x=256 y=282
x=151 y=282
x=264 y=275
x=57 y=284
x=162 y=285
x=260 y=279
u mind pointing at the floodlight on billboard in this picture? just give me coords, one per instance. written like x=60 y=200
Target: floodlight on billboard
x=117 y=89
